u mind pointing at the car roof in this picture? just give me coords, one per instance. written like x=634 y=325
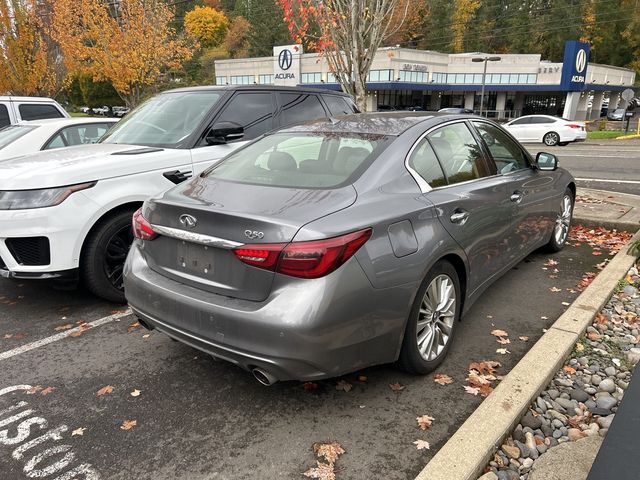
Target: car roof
x=63 y=122
x=381 y=123
x=11 y=98
x=274 y=88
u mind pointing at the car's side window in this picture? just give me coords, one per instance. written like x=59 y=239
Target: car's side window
x=34 y=111
x=459 y=154
x=78 y=135
x=251 y=110
x=540 y=120
x=4 y=116
x=299 y=107
x=337 y=105
x=507 y=155
x=521 y=121
x=425 y=163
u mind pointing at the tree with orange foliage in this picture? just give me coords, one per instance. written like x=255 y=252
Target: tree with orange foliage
x=207 y=25
x=29 y=64
x=349 y=32
x=129 y=42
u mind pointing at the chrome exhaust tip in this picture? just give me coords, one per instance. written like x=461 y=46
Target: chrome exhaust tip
x=263 y=377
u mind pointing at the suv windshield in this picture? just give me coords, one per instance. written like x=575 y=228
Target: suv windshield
x=12 y=133
x=164 y=120
x=299 y=160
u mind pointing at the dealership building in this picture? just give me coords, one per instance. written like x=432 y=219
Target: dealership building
x=515 y=84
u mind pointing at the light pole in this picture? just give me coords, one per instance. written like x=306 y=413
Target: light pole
x=484 y=75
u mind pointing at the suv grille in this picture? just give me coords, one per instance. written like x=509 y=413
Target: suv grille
x=29 y=250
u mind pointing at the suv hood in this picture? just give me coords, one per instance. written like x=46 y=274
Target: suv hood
x=82 y=163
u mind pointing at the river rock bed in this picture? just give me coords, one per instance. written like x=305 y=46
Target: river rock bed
x=583 y=397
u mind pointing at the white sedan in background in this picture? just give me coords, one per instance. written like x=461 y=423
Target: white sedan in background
x=30 y=137
x=546 y=129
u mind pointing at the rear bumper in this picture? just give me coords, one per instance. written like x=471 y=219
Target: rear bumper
x=305 y=329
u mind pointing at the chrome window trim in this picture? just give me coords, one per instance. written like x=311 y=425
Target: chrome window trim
x=193 y=237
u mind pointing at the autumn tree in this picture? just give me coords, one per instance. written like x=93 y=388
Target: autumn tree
x=349 y=32
x=129 y=42
x=29 y=61
x=464 y=12
x=207 y=25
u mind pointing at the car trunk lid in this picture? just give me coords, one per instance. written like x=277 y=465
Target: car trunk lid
x=197 y=251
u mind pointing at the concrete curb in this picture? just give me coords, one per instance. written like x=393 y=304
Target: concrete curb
x=469 y=450
x=608 y=224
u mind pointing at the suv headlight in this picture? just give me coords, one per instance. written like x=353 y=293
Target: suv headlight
x=46 y=197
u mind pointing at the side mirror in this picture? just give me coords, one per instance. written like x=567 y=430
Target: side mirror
x=546 y=161
x=224 y=132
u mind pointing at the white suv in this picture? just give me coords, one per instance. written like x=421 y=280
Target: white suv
x=16 y=109
x=66 y=213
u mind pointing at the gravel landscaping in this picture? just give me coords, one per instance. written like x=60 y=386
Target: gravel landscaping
x=583 y=397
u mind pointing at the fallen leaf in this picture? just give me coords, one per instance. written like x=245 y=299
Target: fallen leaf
x=343 y=385
x=146 y=335
x=424 y=421
x=489 y=316
x=78 y=431
x=596 y=253
x=523 y=338
x=321 y=472
x=133 y=326
x=593 y=336
x=550 y=263
x=566 y=304
x=471 y=390
x=544 y=318
x=503 y=341
x=47 y=391
x=555 y=289
x=502 y=351
x=329 y=451
x=135 y=393
x=579 y=347
x=396 y=387
x=362 y=378
x=310 y=386
x=64 y=327
x=486 y=366
x=33 y=390
x=421 y=445
x=569 y=370
x=7 y=335
x=105 y=390
x=476 y=380
x=128 y=424
x=499 y=333
x=442 y=379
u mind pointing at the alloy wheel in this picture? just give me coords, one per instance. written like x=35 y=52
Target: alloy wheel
x=563 y=220
x=551 y=139
x=436 y=317
x=115 y=255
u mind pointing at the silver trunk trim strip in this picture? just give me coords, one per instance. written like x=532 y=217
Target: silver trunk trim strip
x=195 y=237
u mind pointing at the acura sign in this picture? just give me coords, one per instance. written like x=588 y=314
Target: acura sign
x=286 y=65
x=574 y=66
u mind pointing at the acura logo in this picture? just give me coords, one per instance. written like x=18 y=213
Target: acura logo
x=285 y=59
x=581 y=60
x=188 y=221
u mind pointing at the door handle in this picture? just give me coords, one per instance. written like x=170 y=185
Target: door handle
x=459 y=216
x=176 y=176
x=516 y=197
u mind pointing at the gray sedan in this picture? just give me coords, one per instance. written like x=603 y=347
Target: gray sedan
x=343 y=243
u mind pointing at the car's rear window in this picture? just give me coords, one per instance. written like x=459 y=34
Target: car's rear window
x=12 y=133
x=300 y=160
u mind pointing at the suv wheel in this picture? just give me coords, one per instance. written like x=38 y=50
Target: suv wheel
x=103 y=256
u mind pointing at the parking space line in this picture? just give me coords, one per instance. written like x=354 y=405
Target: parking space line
x=62 y=335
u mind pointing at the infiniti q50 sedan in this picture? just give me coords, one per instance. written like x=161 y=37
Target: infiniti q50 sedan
x=324 y=248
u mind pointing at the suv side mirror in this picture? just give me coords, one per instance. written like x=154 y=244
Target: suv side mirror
x=546 y=161
x=224 y=132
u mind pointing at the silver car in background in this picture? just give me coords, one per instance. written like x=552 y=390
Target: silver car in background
x=328 y=247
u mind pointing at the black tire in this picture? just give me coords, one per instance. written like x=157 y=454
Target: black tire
x=103 y=255
x=551 y=139
x=411 y=359
x=556 y=242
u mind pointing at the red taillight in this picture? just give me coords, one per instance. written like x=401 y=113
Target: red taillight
x=141 y=227
x=311 y=259
x=573 y=125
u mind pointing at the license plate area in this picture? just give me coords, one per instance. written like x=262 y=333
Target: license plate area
x=195 y=259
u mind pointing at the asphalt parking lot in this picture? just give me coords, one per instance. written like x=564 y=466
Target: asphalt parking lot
x=200 y=419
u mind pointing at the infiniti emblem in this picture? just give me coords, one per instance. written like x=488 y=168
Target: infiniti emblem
x=188 y=221
x=285 y=59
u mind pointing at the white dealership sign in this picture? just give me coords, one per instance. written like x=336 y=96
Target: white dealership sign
x=286 y=65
